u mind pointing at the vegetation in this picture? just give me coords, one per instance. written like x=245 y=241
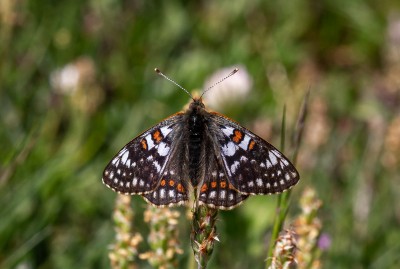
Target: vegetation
x=77 y=82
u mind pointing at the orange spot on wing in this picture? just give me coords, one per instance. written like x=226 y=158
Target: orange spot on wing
x=213 y=184
x=222 y=184
x=157 y=136
x=237 y=136
x=171 y=183
x=204 y=187
x=163 y=182
x=252 y=144
x=231 y=186
x=180 y=188
x=144 y=143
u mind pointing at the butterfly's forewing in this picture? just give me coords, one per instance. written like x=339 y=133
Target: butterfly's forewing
x=252 y=165
x=138 y=167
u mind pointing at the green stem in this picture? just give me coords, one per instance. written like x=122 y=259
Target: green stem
x=283 y=202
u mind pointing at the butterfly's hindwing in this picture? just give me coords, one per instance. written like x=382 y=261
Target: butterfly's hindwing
x=172 y=190
x=216 y=191
x=138 y=167
x=252 y=165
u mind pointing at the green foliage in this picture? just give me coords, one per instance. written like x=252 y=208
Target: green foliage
x=56 y=138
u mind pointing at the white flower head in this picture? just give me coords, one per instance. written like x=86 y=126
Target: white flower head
x=66 y=79
x=233 y=90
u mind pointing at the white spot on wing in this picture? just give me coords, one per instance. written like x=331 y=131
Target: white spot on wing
x=282 y=182
x=243 y=159
x=222 y=194
x=141 y=183
x=245 y=142
x=273 y=158
x=163 y=149
x=229 y=149
x=124 y=157
x=162 y=193
x=259 y=182
x=122 y=152
x=250 y=184
x=158 y=167
x=230 y=197
x=228 y=131
x=134 y=181
x=149 y=140
x=234 y=166
x=171 y=193
x=165 y=130
x=213 y=194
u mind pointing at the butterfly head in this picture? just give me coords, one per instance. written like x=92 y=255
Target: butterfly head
x=197 y=104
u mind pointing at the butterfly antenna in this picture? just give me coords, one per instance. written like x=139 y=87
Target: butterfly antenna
x=218 y=82
x=167 y=78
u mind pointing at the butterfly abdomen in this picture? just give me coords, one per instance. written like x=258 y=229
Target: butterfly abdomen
x=196 y=138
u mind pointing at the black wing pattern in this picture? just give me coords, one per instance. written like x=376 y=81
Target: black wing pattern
x=215 y=190
x=252 y=165
x=139 y=167
x=173 y=188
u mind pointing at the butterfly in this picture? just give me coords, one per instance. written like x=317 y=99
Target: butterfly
x=202 y=152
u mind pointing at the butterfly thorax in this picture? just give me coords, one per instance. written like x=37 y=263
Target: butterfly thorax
x=196 y=130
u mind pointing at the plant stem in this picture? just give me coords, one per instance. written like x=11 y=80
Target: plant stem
x=204 y=233
x=282 y=206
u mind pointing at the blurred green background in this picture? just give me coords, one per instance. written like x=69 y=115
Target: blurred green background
x=77 y=82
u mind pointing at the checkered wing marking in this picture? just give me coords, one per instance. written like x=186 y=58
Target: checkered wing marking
x=138 y=167
x=253 y=166
x=216 y=191
x=173 y=187
x=172 y=190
